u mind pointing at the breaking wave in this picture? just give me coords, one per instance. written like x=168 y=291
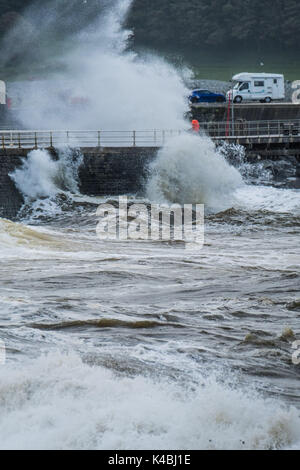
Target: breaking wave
x=41 y=176
x=189 y=170
x=103 y=85
x=48 y=182
x=59 y=402
x=15 y=237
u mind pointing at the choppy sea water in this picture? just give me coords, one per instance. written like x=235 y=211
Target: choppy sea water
x=153 y=345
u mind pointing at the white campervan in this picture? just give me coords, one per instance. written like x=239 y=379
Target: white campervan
x=263 y=87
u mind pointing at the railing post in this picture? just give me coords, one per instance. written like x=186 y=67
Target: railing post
x=163 y=136
x=134 y=138
x=68 y=137
x=154 y=137
x=51 y=140
x=19 y=139
x=11 y=140
x=3 y=142
x=99 y=139
x=35 y=141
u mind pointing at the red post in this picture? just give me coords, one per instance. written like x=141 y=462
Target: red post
x=228 y=114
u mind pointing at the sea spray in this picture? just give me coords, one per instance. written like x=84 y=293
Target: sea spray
x=103 y=85
x=189 y=170
x=47 y=183
x=41 y=176
x=253 y=172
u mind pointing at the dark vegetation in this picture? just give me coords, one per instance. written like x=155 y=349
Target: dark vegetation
x=217 y=24
x=184 y=27
x=186 y=23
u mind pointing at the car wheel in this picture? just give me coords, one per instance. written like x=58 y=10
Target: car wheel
x=238 y=99
x=268 y=99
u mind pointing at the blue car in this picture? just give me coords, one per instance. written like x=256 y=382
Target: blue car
x=206 y=96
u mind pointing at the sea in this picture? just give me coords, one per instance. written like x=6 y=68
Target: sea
x=145 y=344
x=140 y=344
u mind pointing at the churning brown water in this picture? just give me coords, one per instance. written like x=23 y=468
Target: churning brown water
x=153 y=344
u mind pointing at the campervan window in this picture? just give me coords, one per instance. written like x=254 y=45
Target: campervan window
x=259 y=83
x=245 y=86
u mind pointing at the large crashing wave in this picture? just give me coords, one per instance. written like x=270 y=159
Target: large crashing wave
x=103 y=85
x=48 y=183
x=41 y=176
x=189 y=170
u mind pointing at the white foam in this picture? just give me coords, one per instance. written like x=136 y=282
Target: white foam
x=189 y=170
x=36 y=177
x=57 y=402
x=41 y=176
x=268 y=198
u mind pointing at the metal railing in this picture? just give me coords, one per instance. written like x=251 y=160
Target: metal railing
x=44 y=139
x=243 y=128
x=34 y=139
